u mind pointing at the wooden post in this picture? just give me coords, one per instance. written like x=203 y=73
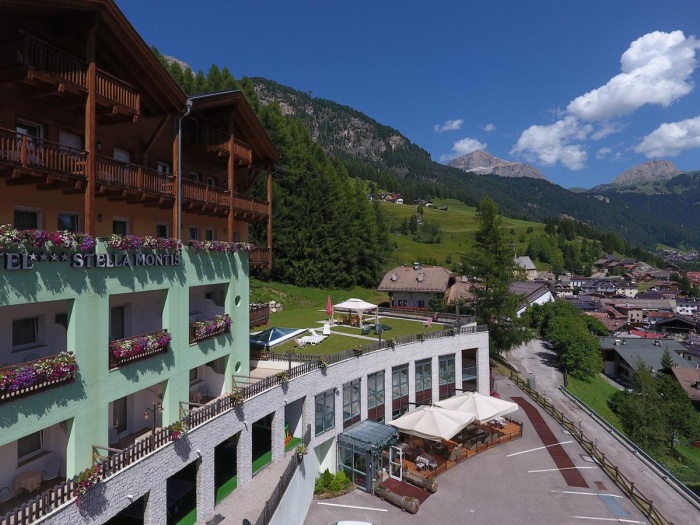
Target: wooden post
x=90 y=134
x=231 y=173
x=177 y=176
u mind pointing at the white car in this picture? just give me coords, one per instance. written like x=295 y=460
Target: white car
x=351 y=522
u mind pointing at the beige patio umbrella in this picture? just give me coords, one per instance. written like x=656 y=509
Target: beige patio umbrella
x=432 y=422
x=483 y=407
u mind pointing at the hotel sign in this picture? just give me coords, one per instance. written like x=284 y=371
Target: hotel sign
x=26 y=261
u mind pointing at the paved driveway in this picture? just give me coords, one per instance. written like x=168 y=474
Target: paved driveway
x=515 y=483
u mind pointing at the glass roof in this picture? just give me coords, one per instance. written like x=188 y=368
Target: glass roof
x=369 y=435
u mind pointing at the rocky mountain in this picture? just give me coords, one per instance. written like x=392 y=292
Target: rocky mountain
x=655 y=170
x=483 y=163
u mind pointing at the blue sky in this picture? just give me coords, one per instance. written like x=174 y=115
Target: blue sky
x=581 y=90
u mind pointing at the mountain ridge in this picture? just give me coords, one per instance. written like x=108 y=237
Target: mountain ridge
x=483 y=163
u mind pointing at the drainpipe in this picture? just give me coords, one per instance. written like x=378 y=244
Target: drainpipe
x=188 y=108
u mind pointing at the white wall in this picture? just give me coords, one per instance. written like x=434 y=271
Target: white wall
x=52 y=336
x=296 y=500
x=144 y=311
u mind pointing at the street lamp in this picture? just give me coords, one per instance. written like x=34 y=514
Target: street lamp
x=290 y=353
x=151 y=412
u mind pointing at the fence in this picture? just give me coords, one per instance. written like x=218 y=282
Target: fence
x=285 y=479
x=644 y=504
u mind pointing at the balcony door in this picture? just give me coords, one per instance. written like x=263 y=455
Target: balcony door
x=117 y=322
x=120 y=415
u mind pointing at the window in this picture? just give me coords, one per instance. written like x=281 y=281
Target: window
x=120 y=226
x=375 y=397
x=122 y=155
x=211 y=182
x=30 y=129
x=69 y=140
x=27 y=219
x=68 y=221
x=399 y=390
x=424 y=382
x=325 y=411
x=195 y=176
x=163 y=168
x=30 y=445
x=235 y=236
x=447 y=375
x=119 y=415
x=117 y=323
x=162 y=230
x=194 y=233
x=194 y=375
x=351 y=403
x=209 y=234
x=25 y=332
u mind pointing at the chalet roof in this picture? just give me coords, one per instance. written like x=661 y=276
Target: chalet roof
x=434 y=279
x=688 y=378
x=525 y=262
x=612 y=324
x=462 y=291
x=531 y=290
x=647 y=350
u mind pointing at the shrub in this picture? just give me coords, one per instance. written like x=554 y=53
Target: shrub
x=319 y=487
x=327 y=477
x=335 y=485
x=343 y=478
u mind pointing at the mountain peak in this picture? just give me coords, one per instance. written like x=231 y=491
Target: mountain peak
x=483 y=163
x=648 y=172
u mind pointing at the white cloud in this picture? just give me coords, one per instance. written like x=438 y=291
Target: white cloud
x=605 y=129
x=450 y=125
x=464 y=147
x=488 y=128
x=555 y=143
x=656 y=69
x=603 y=153
x=669 y=139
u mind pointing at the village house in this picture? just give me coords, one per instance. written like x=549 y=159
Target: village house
x=622 y=355
x=415 y=286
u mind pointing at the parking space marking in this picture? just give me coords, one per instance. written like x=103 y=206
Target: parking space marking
x=539 y=448
x=351 y=506
x=559 y=469
x=616 y=520
x=587 y=493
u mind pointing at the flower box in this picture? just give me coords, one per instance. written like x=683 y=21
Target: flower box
x=36 y=376
x=84 y=481
x=217 y=325
x=131 y=349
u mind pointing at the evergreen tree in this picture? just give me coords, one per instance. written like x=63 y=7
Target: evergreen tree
x=492 y=264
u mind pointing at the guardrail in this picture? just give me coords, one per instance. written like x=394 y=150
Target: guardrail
x=285 y=479
x=644 y=504
x=634 y=448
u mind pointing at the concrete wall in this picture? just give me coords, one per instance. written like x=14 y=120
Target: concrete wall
x=299 y=495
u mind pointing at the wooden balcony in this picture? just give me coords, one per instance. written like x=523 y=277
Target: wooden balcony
x=246 y=207
x=213 y=143
x=152 y=344
x=133 y=183
x=259 y=315
x=260 y=258
x=21 y=380
x=28 y=160
x=44 y=70
x=205 y=199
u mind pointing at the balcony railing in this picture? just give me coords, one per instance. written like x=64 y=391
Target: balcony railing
x=203 y=330
x=26 y=379
x=259 y=315
x=29 y=152
x=205 y=194
x=206 y=135
x=248 y=205
x=114 y=172
x=243 y=151
x=136 y=348
x=260 y=257
x=33 y=53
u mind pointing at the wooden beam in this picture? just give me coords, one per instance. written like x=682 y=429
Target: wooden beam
x=90 y=131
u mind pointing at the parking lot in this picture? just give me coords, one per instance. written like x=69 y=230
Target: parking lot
x=515 y=483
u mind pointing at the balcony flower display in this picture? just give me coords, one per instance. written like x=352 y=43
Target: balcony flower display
x=134 y=242
x=59 y=367
x=216 y=325
x=177 y=429
x=44 y=239
x=219 y=246
x=135 y=345
x=84 y=481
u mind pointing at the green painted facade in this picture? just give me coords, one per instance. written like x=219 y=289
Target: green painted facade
x=84 y=403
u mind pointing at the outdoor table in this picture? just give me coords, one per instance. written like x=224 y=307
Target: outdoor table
x=426 y=460
x=29 y=481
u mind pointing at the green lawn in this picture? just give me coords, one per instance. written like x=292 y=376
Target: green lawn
x=261 y=461
x=188 y=519
x=595 y=394
x=226 y=489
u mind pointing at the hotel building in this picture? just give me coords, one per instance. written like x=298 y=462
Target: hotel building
x=122 y=356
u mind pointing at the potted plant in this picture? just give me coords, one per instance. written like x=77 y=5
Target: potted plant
x=451 y=331
x=177 y=429
x=84 y=481
x=282 y=377
x=391 y=343
x=237 y=397
x=323 y=362
x=359 y=350
x=420 y=336
x=302 y=450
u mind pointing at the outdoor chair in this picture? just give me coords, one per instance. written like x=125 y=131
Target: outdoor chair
x=52 y=471
x=326 y=329
x=365 y=330
x=455 y=453
x=300 y=343
x=6 y=495
x=428 y=322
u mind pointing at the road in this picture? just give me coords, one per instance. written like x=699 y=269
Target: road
x=534 y=360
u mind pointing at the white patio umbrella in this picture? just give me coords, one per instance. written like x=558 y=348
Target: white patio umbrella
x=432 y=422
x=359 y=306
x=483 y=407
